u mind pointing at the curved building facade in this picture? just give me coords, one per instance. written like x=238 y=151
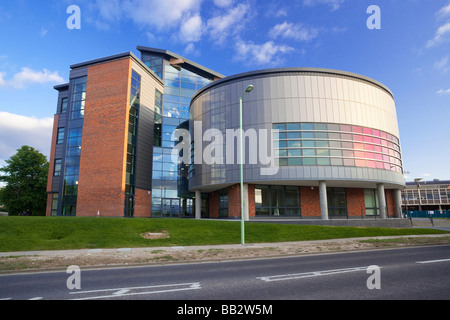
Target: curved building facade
x=318 y=143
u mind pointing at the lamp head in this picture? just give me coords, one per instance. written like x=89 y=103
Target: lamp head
x=249 y=88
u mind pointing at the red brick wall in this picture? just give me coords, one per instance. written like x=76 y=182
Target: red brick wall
x=51 y=165
x=142 y=203
x=390 y=203
x=214 y=204
x=48 y=211
x=355 y=202
x=105 y=130
x=234 y=201
x=251 y=200
x=310 y=202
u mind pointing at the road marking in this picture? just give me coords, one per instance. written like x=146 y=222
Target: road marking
x=433 y=261
x=36 y=298
x=122 y=292
x=282 y=277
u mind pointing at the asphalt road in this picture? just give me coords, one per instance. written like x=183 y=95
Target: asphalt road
x=398 y=274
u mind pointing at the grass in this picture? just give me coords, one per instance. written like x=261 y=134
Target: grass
x=62 y=233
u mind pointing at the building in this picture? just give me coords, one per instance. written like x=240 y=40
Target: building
x=337 y=150
x=335 y=153
x=426 y=196
x=182 y=79
x=112 y=134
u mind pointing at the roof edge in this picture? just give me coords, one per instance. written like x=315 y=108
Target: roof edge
x=117 y=57
x=186 y=61
x=292 y=70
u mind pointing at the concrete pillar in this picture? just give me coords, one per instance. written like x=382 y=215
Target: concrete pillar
x=323 y=200
x=381 y=200
x=198 y=204
x=398 y=203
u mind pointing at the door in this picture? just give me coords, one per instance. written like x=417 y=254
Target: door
x=170 y=208
x=129 y=206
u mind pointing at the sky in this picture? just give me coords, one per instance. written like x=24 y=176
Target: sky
x=409 y=52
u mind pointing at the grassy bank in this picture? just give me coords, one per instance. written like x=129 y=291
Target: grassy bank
x=61 y=233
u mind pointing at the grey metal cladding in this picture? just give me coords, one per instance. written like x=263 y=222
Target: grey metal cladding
x=280 y=95
x=144 y=156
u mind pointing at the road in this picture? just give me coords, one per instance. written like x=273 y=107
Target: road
x=404 y=274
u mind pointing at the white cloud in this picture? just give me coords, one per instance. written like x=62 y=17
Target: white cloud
x=442 y=64
x=220 y=27
x=109 y=9
x=293 y=31
x=335 y=4
x=266 y=54
x=17 y=130
x=28 y=76
x=191 y=29
x=442 y=34
x=444 y=12
x=443 y=91
x=157 y=13
x=223 y=3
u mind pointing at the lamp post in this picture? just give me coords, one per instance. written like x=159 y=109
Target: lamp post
x=248 y=89
x=418 y=192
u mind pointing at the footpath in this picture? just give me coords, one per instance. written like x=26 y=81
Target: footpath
x=11 y=262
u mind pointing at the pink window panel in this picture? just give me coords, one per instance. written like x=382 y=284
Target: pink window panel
x=357 y=129
x=370 y=164
x=359 y=146
x=360 y=163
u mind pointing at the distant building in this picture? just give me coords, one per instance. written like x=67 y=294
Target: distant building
x=426 y=195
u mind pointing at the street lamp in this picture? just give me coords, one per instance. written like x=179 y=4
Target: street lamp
x=247 y=90
x=418 y=192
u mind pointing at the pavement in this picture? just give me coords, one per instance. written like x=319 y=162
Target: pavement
x=79 y=252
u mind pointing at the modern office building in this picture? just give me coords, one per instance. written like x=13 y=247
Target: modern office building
x=319 y=143
x=111 y=144
x=426 y=195
x=337 y=150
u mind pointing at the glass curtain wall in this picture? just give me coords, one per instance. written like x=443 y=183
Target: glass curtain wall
x=277 y=200
x=132 y=143
x=179 y=87
x=73 y=151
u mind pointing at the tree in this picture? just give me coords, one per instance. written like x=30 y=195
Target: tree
x=25 y=175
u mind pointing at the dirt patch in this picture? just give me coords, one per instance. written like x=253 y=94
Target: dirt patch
x=148 y=256
x=155 y=235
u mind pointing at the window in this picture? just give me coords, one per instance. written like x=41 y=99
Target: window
x=223 y=204
x=337 y=202
x=371 y=202
x=63 y=108
x=57 y=167
x=55 y=197
x=60 y=137
x=322 y=144
x=78 y=98
x=277 y=200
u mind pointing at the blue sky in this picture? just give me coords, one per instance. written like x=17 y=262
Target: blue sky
x=410 y=54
